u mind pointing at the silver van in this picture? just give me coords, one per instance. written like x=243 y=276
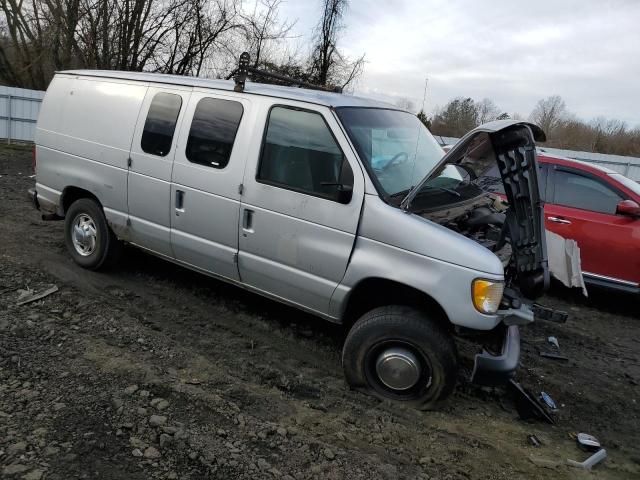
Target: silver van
x=341 y=206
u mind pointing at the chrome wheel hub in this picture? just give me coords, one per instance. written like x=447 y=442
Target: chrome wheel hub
x=84 y=234
x=398 y=368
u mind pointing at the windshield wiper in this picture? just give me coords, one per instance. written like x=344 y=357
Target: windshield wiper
x=405 y=193
x=443 y=189
x=401 y=193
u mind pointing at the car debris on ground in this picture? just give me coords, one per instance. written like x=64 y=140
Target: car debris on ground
x=534 y=440
x=527 y=406
x=590 y=462
x=548 y=401
x=554 y=356
x=28 y=296
x=588 y=442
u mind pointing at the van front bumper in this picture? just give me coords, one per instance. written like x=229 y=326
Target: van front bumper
x=494 y=370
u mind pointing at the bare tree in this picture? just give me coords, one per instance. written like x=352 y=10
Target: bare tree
x=351 y=71
x=198 y=28
x=263 y=29
x=549 y=113
x=171 y=36
x=23 y=58
x=487 y=111
x=325 y=49
x=328 y=65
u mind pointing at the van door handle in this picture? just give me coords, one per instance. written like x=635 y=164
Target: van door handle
x=559 y=220
x=247 y=221
x=179 y=202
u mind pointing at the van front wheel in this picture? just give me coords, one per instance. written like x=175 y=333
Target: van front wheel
x=398 y=353
x=87 y=236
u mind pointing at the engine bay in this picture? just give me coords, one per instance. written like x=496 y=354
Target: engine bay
x=483 y=221
x=486 y=188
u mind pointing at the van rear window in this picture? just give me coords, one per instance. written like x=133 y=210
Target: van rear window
x=213 y=131
x=161 y=124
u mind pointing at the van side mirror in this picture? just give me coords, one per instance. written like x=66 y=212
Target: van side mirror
x=629 y=208
x=345 y=192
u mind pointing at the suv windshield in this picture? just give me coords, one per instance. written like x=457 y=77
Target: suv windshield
x=397 y=148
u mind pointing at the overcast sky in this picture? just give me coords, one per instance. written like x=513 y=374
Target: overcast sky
x=514 y=52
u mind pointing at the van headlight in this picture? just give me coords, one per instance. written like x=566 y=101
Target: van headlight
x=486 y=295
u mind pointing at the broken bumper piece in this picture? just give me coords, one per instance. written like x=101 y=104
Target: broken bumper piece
x=494 y=370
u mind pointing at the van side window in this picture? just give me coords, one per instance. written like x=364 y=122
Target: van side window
x=300 y=153
x=160 y=124
x=213 y=131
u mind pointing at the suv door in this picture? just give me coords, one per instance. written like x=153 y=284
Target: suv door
x=582 y=207
x=298 y=219
x=207 y=173
x=151 y=159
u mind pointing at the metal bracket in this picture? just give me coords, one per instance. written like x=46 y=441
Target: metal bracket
x=541 y=312
x=242 y=72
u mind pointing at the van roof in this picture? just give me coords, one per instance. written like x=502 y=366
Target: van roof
x=328 y=99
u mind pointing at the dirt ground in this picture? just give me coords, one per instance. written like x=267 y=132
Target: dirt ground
x=153 y=371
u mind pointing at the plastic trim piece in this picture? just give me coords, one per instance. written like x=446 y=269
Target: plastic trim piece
x=493 y=370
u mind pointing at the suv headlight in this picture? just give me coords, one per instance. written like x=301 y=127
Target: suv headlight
x=486 y=295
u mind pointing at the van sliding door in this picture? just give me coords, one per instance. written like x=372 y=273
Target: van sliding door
x=151 y=160
x=207 y=173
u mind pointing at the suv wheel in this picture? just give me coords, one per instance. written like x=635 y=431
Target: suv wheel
x=398 y=353
x=87 y=236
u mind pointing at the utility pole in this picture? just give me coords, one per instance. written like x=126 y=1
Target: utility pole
x=424 y=95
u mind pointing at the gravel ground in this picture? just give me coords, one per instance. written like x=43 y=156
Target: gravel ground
x=151 y=371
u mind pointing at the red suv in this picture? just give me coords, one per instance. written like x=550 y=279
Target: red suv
x=600 y=209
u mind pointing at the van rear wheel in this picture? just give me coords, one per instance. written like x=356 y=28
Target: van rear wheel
x=399 y=353
x=89 y=240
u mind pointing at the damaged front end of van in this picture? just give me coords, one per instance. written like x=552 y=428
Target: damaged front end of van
x=459 y=194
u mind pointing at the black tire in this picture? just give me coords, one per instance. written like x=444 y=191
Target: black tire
x=106 y=247
x=409 y=329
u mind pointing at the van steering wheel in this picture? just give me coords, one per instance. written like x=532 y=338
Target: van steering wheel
x=396 y=160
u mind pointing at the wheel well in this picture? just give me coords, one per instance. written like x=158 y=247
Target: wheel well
x=377 y=292
x=71 y=194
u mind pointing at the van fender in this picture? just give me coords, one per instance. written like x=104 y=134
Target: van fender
x=447 y=284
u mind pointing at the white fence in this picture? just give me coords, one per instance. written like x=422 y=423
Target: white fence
x=628 y=166
x=18 y=113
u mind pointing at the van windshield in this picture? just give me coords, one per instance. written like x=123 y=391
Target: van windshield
x=397 y=148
